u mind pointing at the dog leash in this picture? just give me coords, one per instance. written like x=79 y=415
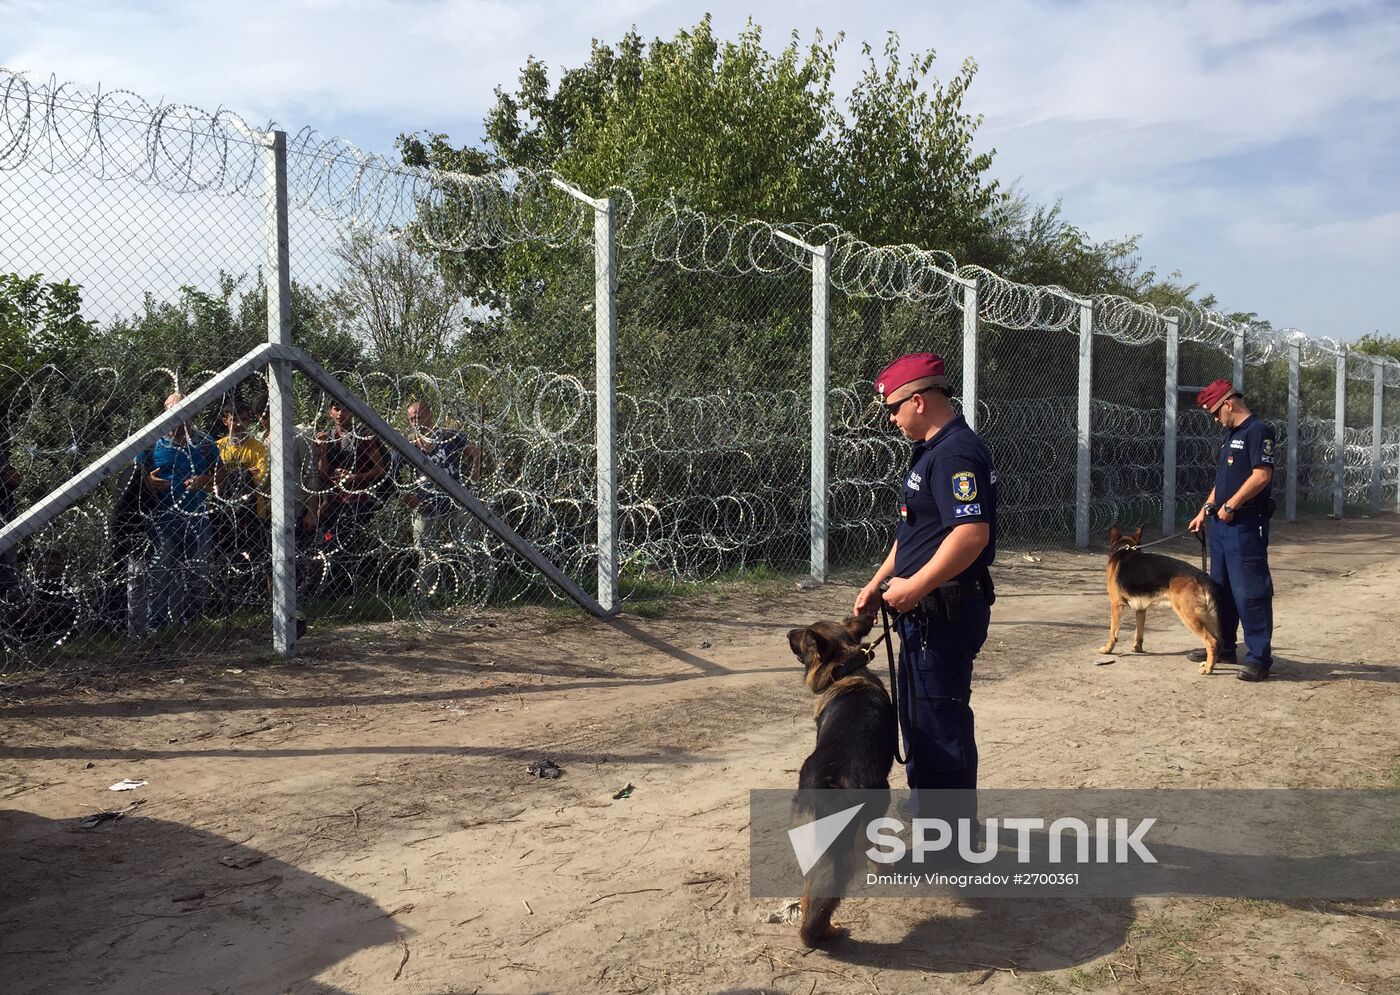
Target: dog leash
x=869 y=651
x=1200 y=535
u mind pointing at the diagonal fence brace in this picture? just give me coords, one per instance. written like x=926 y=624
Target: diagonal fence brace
x=63 y=497
x=438 y=476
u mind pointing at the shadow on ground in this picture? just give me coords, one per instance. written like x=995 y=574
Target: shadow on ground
x=142 y=905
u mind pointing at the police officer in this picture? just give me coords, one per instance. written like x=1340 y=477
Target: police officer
x=1239 y=540
x=937 y=571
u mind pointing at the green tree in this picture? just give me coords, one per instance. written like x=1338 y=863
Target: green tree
x=731 y=129
x=41 y=325
x=41 y=322
x=395 y=300
x=728 y=128
x=1376 y=344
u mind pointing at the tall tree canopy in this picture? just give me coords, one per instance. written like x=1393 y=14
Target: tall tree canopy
x=730 y=128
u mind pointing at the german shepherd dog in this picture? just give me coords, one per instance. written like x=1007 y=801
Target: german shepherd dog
x=1140 y=580
x=856 y=731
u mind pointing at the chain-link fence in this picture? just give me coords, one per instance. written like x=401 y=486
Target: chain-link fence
x=531 y=393
x=129 y=275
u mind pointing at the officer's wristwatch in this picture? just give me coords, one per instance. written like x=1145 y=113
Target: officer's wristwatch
x=1209 y=507
x=1230 y=508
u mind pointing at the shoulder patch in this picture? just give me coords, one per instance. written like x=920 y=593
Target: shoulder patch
x=1268 y=446
x=964 y=486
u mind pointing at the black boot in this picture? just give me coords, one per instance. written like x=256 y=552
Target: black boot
x=1199 y=656
x=1253 y=670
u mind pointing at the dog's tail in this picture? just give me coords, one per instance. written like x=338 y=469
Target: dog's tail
x=1208 y=597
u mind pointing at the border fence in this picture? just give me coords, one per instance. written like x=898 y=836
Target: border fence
x=252 y=378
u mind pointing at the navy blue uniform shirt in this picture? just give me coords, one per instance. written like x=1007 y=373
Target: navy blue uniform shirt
x=950 y=482
x=1248 y=445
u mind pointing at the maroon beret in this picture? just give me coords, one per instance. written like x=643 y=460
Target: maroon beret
x=907 y=369
x=1213 y=394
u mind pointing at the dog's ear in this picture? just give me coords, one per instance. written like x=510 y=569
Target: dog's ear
x=825 y=648
x=1137 y=536
x=810 y=646
x=859 y=626
x=1114 y=535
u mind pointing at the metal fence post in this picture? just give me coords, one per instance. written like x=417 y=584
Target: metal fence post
x=279 y=400
x=1339 y=458
x=1169 y=400
x=1290 y=500
x=1377 y=425
x=1082 y=485
x=970 y=305
x=1238 y=378
x=821 y=326
x=605 y=310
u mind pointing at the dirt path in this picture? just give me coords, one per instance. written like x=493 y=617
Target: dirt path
x=395 y=842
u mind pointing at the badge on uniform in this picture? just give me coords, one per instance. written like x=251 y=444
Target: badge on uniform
x=967 y=510
x=964 y=485
x=904 y=512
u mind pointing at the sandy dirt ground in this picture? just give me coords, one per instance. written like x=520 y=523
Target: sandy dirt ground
x=364 y=822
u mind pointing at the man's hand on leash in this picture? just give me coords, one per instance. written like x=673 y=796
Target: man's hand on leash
x=868 y=600
x=1198 y=522
x=902 y=594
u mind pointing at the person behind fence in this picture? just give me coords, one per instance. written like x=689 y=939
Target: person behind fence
x=1242 y=505
x=306 y=461
x=353 y=467
x=937 y=573
x=241 y=485
x=433 y=510
x=9 y=500
x=131 y=530
x=183 y=465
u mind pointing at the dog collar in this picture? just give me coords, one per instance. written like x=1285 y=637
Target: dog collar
x=856 y=662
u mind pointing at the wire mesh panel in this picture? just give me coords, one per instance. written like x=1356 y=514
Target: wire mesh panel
x=1028 y=376
x=714 y=409
x=1360 y=409
x=869 y=457
x=1317 y=432
x=129 y=274
x=1127 y=433
x=1204 y=356
x=1390 y=440
x=1266 y=392
x=462 y=310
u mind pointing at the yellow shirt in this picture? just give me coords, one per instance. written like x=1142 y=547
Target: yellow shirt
x=251 y=455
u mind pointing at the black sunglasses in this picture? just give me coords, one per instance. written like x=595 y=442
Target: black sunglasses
x=893 y=409
x=1221 y=406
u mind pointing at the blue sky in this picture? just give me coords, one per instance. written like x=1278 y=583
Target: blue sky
x=1253 y=145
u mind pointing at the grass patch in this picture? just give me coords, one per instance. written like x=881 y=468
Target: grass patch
x=651 y=596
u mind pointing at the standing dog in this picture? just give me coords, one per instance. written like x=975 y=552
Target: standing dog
x=1140 y=580
x=856 y=731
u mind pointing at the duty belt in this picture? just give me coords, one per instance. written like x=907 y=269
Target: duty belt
x=1262 y=509
x=945 y=602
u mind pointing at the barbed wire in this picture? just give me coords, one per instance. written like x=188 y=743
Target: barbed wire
x=117 y=134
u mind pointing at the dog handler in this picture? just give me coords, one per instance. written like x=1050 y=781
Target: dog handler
x=937 y=571
x=1239 y=541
